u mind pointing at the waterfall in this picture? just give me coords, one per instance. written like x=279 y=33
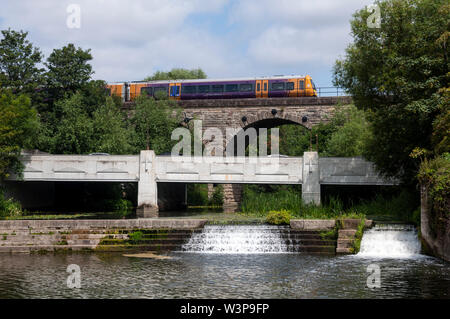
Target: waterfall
x=390 y=240
x=242 y=239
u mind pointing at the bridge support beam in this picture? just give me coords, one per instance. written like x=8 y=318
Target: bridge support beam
x=311 y=178
x=147 y=187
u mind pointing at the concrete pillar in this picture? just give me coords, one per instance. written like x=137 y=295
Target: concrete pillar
x=210 y=190
x=311 y=178
x=232 y=197
x=147 y=187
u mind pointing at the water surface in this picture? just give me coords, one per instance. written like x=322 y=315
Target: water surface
x=195 y=275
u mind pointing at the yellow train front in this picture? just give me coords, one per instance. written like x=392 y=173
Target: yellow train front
x=270 y=87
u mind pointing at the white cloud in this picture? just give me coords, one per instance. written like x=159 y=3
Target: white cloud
x=132 y=39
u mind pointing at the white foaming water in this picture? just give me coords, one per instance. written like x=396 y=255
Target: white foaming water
x=390 y=241
x=242 y=239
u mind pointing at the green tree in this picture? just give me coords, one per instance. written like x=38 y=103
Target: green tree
x=111 y=133
x=351 y=135
x=68 y=69
x=19 y=61
x=73 y=133
x=345 y=134
x=154 y=122
x=177 y=74
x=18 y=126
x=396 y=72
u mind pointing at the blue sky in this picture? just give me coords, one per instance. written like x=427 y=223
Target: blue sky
x=133 y=39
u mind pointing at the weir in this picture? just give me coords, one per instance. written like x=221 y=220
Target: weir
x=257 y=239
x=390 y=241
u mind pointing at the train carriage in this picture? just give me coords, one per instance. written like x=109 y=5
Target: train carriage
x=277 y=86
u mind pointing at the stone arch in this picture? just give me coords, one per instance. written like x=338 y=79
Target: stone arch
x=280 y=118
x=264 y=120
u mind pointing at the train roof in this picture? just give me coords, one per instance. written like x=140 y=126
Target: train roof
x=275 y=77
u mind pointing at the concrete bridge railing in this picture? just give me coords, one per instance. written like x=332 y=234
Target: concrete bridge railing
x=148 y=170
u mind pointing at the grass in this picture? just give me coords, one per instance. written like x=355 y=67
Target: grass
x=401 y=207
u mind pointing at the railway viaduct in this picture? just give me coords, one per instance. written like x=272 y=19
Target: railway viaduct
x=257 y=113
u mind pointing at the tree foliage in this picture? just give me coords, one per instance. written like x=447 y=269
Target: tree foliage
x=68 y=68
x=397 y=72
x=19 y=61
x=153 y=122
x=177 y=74
x=111 y=133
x=344 y=135
x=18 y=126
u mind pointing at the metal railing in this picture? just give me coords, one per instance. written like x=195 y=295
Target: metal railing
x=321 y=92
x=330 y=91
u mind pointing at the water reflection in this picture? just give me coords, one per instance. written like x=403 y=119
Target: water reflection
x=221 y=276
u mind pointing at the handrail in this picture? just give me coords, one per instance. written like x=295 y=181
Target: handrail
x=330 y=91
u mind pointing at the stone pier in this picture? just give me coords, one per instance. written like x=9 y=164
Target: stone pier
x=147 y=188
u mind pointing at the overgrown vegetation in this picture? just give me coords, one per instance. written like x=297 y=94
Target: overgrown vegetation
x=399 y=206
x=434 y=176
x=9 y=207
x=198 y=196
x=280 y=217
x=399 y=73
x=345 y=134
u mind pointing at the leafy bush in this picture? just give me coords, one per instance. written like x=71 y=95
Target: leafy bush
x=217 y=196
x=197 y=194
x=120 y=206
x=135 y=237
x=9 y=207
x=281 y=217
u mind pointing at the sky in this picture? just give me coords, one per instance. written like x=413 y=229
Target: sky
x=132 y=39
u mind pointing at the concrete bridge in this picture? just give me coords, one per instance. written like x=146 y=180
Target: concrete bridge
x=241 y=114
x=148 y=170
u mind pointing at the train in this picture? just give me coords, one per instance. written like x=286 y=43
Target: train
x=263 y=87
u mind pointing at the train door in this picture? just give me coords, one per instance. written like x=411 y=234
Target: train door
x=301 y=87
x=292 y=88
x=258 y=88
x=174 y=91
x=265 y=88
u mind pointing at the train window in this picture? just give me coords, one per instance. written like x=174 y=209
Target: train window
x=302 y=84
x=265 y=86
x=246 y=87
x=203 y=89
x=218 y=88
x=108 y=91
x=258 y=87
x=231 y=88
x=278 y=86
x=188 y=89
x=290 y=86
x=160 y=89
x=148 y=90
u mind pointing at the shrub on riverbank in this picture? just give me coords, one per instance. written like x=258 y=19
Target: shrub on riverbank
x=9 y=207
x=281 y=217
x=402 y=207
